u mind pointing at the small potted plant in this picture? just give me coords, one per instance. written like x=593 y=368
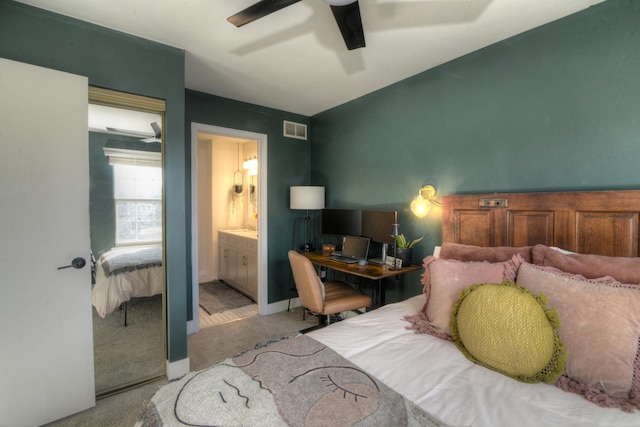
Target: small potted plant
x=404 y=248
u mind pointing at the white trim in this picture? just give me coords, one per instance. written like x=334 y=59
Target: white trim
x=281 y=306
x=178 y=369
x=263 y=270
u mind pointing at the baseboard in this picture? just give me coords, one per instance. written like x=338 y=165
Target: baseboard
x=283 y=305
x=178 y=369
x=193 y=326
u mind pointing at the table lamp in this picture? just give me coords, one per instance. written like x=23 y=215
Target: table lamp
x=306 y=198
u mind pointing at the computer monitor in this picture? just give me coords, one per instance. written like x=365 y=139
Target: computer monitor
x=377 y=225
x=341 y=222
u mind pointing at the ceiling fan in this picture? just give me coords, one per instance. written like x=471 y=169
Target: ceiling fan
x=156 y=136
x=345 y=12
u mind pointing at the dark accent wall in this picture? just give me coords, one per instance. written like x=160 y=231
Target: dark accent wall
x=556 y=108
x=122 y=62
x=287 y=165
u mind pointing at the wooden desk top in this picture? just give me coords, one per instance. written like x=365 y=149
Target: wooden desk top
x=370 y=271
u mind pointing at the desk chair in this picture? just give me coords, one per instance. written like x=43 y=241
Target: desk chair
x=325 y=298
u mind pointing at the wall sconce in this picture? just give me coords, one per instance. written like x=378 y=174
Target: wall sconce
x=421 y=205
x=251 y=165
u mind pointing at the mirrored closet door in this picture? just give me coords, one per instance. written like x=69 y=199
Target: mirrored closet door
x=127 y=234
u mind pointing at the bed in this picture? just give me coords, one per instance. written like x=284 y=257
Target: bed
x=397 y=365
x=125 y=273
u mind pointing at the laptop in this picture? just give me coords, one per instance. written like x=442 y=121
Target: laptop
x=353 y=250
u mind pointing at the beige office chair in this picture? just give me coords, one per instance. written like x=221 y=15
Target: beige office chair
x=325 y=298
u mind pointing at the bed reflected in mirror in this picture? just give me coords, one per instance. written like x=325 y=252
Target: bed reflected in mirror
x=125 y=169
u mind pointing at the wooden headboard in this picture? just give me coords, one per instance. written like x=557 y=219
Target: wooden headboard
x=588 y=222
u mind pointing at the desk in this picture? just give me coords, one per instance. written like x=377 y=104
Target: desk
x=370 y=271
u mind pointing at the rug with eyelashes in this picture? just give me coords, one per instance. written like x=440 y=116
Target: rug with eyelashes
x=291 y=382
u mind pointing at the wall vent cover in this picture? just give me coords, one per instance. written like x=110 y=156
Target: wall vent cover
x=294 y=130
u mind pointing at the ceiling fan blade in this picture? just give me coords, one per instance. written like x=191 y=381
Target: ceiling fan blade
x=258 y=10
x=350 y=24
x=157 y=131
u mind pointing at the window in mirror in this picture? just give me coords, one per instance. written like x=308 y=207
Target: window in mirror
x=138 y=201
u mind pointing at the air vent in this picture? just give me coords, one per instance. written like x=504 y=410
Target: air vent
x=294 y=130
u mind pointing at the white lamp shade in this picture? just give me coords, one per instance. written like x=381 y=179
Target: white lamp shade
x=306 y=197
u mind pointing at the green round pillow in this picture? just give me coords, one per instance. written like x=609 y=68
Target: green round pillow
x=506 y=328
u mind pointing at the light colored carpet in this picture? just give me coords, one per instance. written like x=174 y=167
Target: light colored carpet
x=215 y=343
x=114 y=411
x=210 y=345
x=123 y=354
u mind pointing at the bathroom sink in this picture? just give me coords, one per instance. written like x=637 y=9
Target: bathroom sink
x=243 y=232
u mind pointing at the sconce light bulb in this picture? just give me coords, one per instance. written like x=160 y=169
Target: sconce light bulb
x=420 y=206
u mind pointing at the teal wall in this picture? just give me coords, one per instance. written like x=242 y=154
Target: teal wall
x=288 y=164
x=121 y=62
x=102 y=216
x=556 y=108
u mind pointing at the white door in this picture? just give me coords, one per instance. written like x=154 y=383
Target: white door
x=46 y=341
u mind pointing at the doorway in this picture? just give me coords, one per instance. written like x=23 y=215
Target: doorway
x=127 y=235
x=238 y=204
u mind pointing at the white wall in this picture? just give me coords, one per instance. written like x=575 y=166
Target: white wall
x=206 y=248
x=218 y=208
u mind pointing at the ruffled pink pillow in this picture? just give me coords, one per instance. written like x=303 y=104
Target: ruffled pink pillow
x=623 y=269
x=462 y=252
x=444 y=279
x=600 y=327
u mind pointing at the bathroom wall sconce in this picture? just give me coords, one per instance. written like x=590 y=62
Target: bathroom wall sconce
x=251 y=165
x=421 y=205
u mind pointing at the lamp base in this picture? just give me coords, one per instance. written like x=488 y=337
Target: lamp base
x=305 y=234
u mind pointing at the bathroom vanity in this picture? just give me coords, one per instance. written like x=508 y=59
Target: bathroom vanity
x=238 y=260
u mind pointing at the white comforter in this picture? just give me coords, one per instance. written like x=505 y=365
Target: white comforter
x=433 y=374
x=109 y=292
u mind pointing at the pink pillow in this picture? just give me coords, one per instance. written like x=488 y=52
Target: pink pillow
x=462 y=252
x=623 y=269
x=600 y=327
x=444 y=279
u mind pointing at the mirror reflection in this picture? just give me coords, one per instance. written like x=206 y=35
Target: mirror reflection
x=125 y=168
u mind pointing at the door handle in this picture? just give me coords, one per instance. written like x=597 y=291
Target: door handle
x=75 y=263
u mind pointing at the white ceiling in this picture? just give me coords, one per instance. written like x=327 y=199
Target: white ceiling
x=128 y=122
x=295 y=59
